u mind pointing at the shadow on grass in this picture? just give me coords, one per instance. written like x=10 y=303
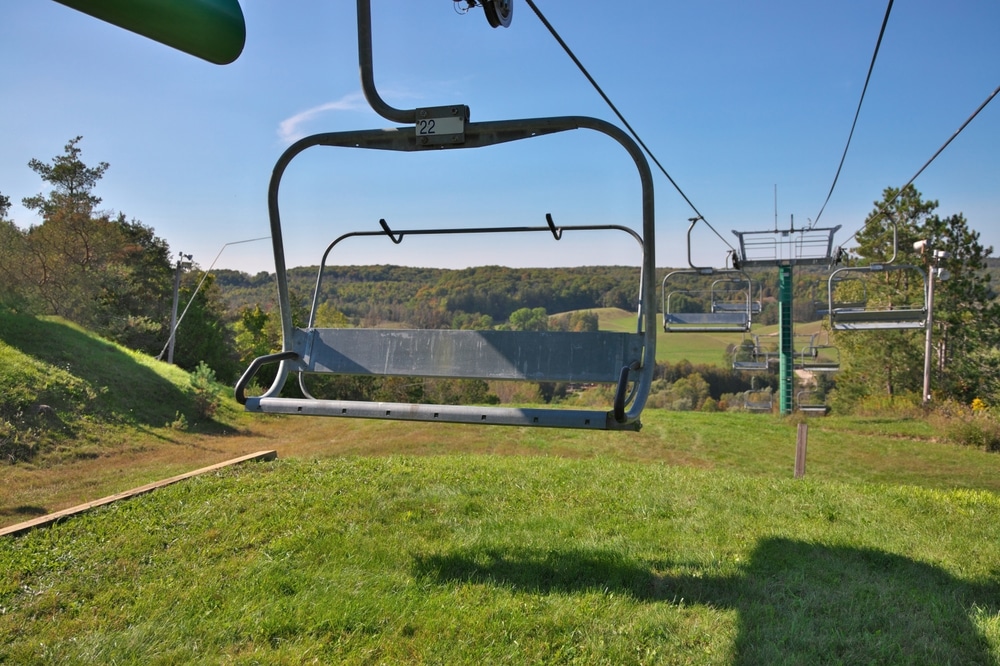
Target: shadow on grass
x=797 y=602
x=26 y=510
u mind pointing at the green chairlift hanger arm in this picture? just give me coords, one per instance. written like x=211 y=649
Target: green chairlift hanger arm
x=213 y=30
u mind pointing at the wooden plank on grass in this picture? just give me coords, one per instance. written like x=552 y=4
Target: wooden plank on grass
x=50 y=518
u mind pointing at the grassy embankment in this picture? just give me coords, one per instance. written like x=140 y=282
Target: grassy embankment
x=374 y=542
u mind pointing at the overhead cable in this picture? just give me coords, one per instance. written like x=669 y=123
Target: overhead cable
x=621 y=117
x=857 y=113
x=886 y=205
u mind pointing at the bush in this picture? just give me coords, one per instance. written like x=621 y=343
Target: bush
x=206 y=393
x=969 y=426
x=906 y=405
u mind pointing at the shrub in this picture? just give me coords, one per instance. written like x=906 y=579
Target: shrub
x=907 y=405
x=206 y=394
x=974 y=426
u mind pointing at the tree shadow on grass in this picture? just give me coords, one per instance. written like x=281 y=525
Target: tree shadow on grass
x=797 y=602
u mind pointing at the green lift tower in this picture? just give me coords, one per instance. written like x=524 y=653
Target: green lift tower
x=784 y=249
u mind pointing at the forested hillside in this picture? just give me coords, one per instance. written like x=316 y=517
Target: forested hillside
x=113 y=275
x=437 y=298
x=430 y=297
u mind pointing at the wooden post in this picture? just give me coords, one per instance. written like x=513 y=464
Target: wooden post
x=800 y=450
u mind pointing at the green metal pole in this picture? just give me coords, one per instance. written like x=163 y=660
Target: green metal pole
x=785 y=337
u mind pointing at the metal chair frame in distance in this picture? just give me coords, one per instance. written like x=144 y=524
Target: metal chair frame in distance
x=874 y=316
x=720 y=314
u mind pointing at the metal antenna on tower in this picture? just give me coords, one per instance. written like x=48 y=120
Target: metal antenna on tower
x=775 y=206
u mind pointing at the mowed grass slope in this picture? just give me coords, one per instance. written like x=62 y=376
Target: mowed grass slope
x=483 y=559
x=81 y=418
x=384 y=542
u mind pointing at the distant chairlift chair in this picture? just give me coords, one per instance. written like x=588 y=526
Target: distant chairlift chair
x=861 y=316
x=807 y=401
x=726 y=307
x=818 y=358
x=755 y=358
x=874 y=316
x=758 y=400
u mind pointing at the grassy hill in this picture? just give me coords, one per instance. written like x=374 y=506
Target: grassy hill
x=81 y=417
x=66 y=385
x=480 y=559
x=394 y=542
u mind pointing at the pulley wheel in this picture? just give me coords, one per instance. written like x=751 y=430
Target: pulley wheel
x=498 y=12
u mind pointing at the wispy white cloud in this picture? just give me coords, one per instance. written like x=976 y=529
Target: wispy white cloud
x=292 y=129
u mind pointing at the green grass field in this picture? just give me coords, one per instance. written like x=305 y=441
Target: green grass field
x=371 y=542
x=483 y=559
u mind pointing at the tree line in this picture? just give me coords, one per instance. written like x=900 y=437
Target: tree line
x=114 y=275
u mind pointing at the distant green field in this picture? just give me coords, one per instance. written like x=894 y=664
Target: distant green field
x=698 y=348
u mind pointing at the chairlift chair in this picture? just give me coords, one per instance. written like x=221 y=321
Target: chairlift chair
x=756 y=358
x=758 y=401
x=722 y=310
x=733 y=294
x=624 y=360
x=717 y=315
x=807 y=401
x=873 y=315
x=818 y=357
x=869 y=315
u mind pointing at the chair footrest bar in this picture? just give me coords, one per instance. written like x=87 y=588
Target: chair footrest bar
x=552 y=418
x=674 y=328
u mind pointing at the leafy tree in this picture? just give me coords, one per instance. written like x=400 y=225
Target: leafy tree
x=966 y=313
x=133 y=291
x=203 y=335
x=252 y=336
x=578 y=321
x=529 y=319
x=12 y=252
x=891 y=362
x=108 y=274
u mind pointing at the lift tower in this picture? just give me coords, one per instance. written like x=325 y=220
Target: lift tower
x=785 y=248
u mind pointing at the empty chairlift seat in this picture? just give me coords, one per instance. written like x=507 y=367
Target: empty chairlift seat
x=623 y=360
x=725 y=306
x=897 y=308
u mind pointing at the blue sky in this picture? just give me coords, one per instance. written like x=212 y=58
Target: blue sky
x=735 y=98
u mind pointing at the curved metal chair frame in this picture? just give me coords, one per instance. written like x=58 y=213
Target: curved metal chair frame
x=758 y=401
x=759 y=359
x=806 y=402
x=819 y=358
x=625 y=360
